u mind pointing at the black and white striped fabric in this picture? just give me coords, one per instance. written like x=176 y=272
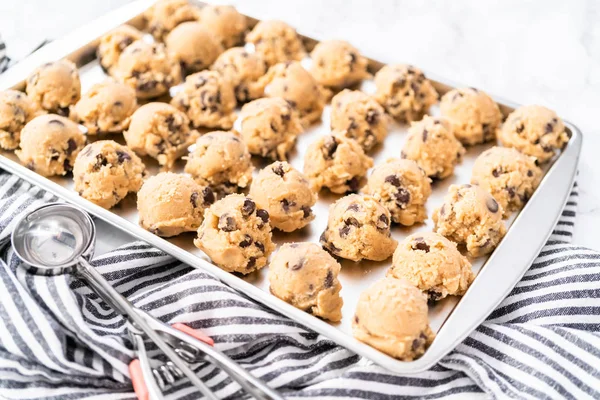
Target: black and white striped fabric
x=4 y=59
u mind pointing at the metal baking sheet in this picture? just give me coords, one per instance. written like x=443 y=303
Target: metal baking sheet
x=453 y=318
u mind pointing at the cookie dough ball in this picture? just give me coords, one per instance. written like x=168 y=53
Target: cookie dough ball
x=358 y=228
x=170 y=204
x=113 y=43
x=306 y=276
x=433 y=264
x=16 y=110
x=270 y=127
x=338 y=64
x=165 y=15
x=391 y=316
x=475 y=117
x=534 y=130
x=107 y=107
x=55 y=86
x=431 y=143
x=160 y=131
x=194 y=46
x=105 y=172
x=147 y=68
x=403 y=188
x=509 y=175
x=285 y=193
x=472 y=217
x=236 y=234
x=243 y=70
x=49 y=144
x=225 y=22
x=337 y=163
x=208 y=99
x=276 y=41
x=297 y=86
x=360 y=117
x=221 y=160
x=404 y=92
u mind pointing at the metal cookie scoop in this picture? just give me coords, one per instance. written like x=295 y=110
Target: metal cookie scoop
x=59 y=238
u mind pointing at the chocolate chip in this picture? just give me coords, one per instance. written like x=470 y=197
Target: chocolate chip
x=420 y=244
x=251 y=262
x=260 y=246
x=456 y=96
x=194 y=199
x=352 y=221
x=56 y=122
x=278 y=170
x=306 y=211
x=329 y=147
x=263 y=215
x=328 y=279
x=353 y=207
x=227 y=223
x=147 y=86
x=248 y=207
x=30 y=165
x=124 y=43
x=372 y=117
x=492 y=204
x=496 y=173
x=297 y=265
x=353 y=184
x=392 y=180
x=549 y=128
x=383 y=222
x=547 y=149
x=417 y=344
x=208 y=197
x=344 y=231
x=433 y=296
x=67 y=165
x=294 y=245
x=71 y=146
x=101 y=161
x=353 y=125
x=520 y=128
x=64 y=111
x=529 y=173
x=286 y=204
x=511 y=191
x=246 y=242
x=356 y=319
x=402 y=197
x=424 y=135
x=123 y=156
x=402 y=154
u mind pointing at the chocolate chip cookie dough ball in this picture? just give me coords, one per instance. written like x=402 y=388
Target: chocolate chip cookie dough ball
x=165 y=15
x=113 y=43
x=276 y=41
x=404 y=92
x=358 y=228
x=338 y=64
x=475 y=117
x=105 y=108
x=431 y=143
x=508 y=175
x=148 y=69
x=49 y=144
x=160 y=131
x=285 y=193
x=243 y=70
x=306 y=276
x=535 y=131
x=472 y=217
x=194 y=46
x=208 y=100
x=55 y=86
x=105 y=172
x=337 y=163
x=221 y=161
x=236 y=234
x=433 y=264
x=16 y=110
x=360 y=117
x=403 y=188
x=225 y=22
x=170 y=204
x=391 y=315
x=270 y=127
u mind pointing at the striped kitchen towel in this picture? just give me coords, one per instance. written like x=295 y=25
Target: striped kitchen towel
x=4 y=59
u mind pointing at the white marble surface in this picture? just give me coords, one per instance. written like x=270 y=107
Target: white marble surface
x=541 y=51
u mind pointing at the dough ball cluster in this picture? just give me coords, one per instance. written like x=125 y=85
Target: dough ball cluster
x=165 y=15
x=112 y=45
x=55 y=86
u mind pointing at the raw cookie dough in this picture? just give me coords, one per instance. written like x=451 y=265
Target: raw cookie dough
x=285 y=193
x=276 y=41
x=297 y=86
x=160 y=131
x=269 y=127
x=225 y=22
x=49 y=144
x=148 y=68
x=221 y=160
x=170 y=204
x=403 y=188
x=360 y=117
x=475 y=117
x=337 y=163
x=208 y=100
x=16 y=110
x=472 y=217
x=194 y=46
x=534 y=130
x=404 y=92
x=105 y=108
x=236 y=234
x=243 y=70
x=358 y=228
x=433 y=264
x=338 y=64
x=306 y=276
x=113 y=43
x=391 y=315
x=105 y=172
x=55 y=86
x=165 y=15
x=509 y=175
x=431 y=143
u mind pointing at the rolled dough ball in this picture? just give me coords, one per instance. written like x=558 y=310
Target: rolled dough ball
x=194 y=46
x=55 y=86
x=276 y=41
x=338 y=64
x=113 y=43
x=16 y=110
x=243 y=70
x=225 y=22
x=165 y=15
